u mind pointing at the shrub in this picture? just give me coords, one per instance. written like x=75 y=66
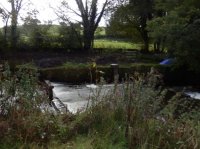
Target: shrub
x=21 y=118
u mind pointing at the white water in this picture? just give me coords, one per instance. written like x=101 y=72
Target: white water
x=195 y=95
x=76 y=98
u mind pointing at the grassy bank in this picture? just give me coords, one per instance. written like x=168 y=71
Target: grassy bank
x=86 y=73
x=77 y=73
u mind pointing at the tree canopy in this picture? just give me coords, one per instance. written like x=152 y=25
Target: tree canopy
x=90 y=15
x=179 y=31
x=134 y=15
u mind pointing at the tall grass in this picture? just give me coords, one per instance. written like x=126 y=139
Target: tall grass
x=136 y=116
x=23 y=121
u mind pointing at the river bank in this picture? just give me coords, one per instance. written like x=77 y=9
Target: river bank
x=118 y=120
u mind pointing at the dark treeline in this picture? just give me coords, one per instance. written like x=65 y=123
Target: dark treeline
x=39 y=37
x=172 y=27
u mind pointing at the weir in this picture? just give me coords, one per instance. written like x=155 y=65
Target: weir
x=76 y=98
x=79 y=97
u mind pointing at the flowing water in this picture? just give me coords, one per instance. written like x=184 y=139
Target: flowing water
x=77 y=97
x=195 y=95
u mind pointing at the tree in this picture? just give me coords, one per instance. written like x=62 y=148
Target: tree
x=16 y=6
x=69 y=36
x=181 y=30
x=5 y=18
x=90 y=18
x=142 y=12
x=136 y=13
x=119 y=27
x=32 y=29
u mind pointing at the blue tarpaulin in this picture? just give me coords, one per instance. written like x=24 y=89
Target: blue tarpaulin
x=168 y=61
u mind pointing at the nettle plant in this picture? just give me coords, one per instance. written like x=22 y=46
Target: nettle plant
x=22 y=118
x=19 y=90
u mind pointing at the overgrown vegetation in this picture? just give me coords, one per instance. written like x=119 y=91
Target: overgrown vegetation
x=136 y=114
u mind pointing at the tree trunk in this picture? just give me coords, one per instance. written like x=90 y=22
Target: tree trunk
x=87 y=44
x=145 y=38
x=163 y=45
x=14 y=29
x=144 y=33
x=5 y=33
x=88 y=39
x=14 y=36
x=14 y=16
x=157 y=44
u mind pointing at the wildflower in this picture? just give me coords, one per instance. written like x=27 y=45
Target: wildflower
x=101 y=72
x=94 y=65
x=43 y=135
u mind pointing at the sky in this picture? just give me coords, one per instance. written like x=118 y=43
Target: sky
x=45 y=8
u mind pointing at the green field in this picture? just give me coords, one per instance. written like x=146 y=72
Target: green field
x=117 y=44
x=114 y=44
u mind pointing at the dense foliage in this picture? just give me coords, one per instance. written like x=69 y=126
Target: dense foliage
x=171 y=26
x=179 y=32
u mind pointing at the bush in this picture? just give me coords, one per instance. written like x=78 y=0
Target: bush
x=23 y=116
